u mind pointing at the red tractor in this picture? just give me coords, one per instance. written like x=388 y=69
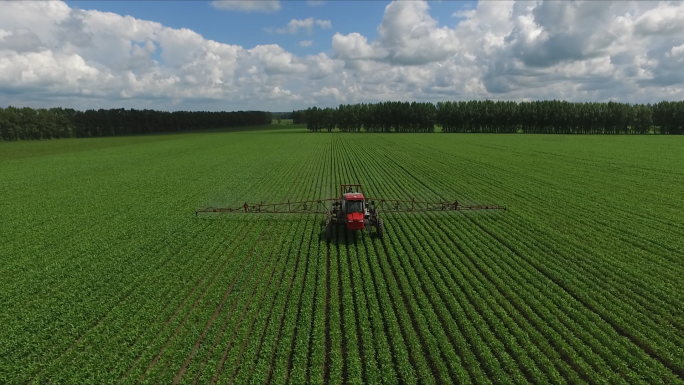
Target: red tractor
x=352 y=209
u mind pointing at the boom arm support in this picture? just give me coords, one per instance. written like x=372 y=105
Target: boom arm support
x=399 y=206
x=303 y=207
x=320 y=207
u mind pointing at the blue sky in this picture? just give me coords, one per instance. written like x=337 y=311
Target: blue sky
x=248 y=54
x=249 y=29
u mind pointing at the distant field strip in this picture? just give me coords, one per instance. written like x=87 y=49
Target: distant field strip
x=107 y=276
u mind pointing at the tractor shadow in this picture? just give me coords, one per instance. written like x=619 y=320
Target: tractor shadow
x=344 y=237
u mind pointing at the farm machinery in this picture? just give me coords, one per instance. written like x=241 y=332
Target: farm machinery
x=352 y=209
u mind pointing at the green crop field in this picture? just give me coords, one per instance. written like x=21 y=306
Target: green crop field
x=107 y=275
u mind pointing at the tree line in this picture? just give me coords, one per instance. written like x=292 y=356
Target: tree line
x=548 y=117
x=28 y=123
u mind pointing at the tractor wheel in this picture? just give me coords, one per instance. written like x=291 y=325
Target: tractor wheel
x=328 y=231
x=380 y=228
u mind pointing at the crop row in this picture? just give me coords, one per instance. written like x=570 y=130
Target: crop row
x=554 y=290
x=654 y=305
x=515 y=233
x=243 y=287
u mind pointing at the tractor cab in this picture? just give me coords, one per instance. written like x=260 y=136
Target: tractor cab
x=353 y=207
x=353 y=212
x=354 y=204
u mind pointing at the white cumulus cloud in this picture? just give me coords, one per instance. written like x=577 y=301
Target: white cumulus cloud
x=325 y=24
x=54 y=55
x=295 y=25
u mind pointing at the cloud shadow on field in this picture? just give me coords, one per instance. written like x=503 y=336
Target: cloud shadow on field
x=275 y=129
x=290 y=130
